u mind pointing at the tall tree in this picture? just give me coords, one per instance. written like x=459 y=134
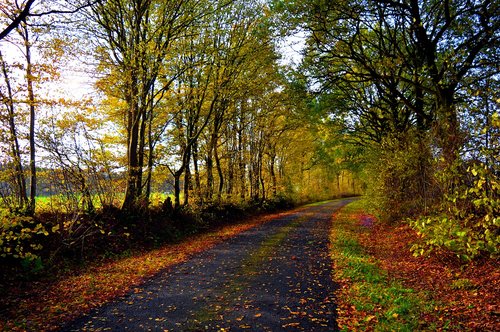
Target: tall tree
x=24 y=32
x=234 y=48
x=136 y=37
x=191 y=104
x=8 y=102
x=409 y=58
x=27 y=38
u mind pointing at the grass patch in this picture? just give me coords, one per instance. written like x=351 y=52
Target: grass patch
x=318 y=203
x=368 y=298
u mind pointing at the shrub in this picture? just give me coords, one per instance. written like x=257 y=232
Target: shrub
x=279 y=202
x=468 y=222
x=20 y=237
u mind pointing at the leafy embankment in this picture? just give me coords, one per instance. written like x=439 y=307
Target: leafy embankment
x=45 y=304
x=383 y=287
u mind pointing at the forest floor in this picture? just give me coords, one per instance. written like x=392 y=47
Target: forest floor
x=268 y=273
x=397 y=291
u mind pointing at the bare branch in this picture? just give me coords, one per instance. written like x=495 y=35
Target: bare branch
x=20 y=18
x=25 y=13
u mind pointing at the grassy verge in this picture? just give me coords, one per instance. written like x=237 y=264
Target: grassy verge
x=368 y=298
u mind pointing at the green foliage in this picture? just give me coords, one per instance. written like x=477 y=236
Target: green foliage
x=409 y=104
x=468 y=223
x=20 y=237
x=463 y=283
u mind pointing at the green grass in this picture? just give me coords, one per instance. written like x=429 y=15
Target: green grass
x=318 y=203
x=324 y=202
x=381 y=303
x=61 y=202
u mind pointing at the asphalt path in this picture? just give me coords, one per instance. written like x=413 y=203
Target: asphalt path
x=275 y=277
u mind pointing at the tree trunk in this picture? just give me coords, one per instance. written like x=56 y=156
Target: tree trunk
x=251 y=181
x=31 y=100
x=241 y=165
x=140 y=161
x=263 y=187
x=449 y=127
x=14 y=142
x=210 y=176
x=177 y=189
x=132 y=192
x=230 y=176
x=219 y=172
x=150 y=160
x=197 y=180
x=259 y=177
x=187 y=177
x=273 y=175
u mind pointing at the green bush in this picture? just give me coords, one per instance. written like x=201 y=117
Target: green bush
x=20 y=236
x=468 y=222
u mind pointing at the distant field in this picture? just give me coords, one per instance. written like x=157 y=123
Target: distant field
x=61 y=202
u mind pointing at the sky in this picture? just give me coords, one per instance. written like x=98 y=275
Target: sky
x=291 y=48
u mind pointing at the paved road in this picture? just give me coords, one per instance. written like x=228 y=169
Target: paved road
x=276 y=277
